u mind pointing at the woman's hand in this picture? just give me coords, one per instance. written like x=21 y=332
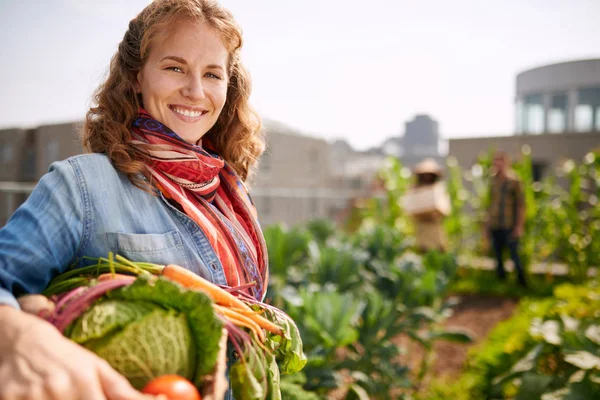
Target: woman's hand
x=37 y=362
x=517 y=232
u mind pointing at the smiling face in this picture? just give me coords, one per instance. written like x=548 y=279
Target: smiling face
x=183 y=83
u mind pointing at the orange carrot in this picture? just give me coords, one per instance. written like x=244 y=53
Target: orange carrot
x=241 y=320
x=190 y=280
x=266 y=324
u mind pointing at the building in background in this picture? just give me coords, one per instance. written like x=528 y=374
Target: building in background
x=557 y=116
x=357 y=170
x=299 y=178
x=559 y=98
x=26 y=154
x=352 y=169
x=17 y=165
x=548 y=151
x=421 y=140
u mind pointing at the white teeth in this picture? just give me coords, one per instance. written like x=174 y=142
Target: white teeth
x=187 y=113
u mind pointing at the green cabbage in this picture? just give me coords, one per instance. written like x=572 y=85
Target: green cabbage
x=150 y=328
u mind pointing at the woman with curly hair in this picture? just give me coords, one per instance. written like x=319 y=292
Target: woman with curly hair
x=172 y=139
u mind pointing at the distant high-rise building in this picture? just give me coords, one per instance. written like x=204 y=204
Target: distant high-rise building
x=421 y=140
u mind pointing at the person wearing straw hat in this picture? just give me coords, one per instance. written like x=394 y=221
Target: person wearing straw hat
x=432 y=206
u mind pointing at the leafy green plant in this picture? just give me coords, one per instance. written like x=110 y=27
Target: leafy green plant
x=351 y=295
x=339 y=264
x=547 y=350
x=321 y=230
x=385 y=210
x=564 y=360
x=456 y=222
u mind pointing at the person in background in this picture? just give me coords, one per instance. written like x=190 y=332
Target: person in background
x=506 y=215
x=429 y=227
x=172 y=140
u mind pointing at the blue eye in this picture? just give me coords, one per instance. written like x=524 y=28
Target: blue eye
x=176 y=69
x=213 y=76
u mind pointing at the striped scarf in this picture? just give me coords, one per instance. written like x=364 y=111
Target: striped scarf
x=210 y=192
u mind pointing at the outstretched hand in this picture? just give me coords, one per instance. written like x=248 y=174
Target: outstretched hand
x=37 y=362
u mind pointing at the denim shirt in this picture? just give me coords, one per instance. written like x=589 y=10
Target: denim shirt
x=84 y=207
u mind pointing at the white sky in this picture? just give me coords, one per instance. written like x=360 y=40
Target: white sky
x=331 y=68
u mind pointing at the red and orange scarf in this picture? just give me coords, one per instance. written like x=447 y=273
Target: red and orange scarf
x=210 y=193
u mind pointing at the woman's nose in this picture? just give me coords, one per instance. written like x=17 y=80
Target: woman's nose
x=193 y=89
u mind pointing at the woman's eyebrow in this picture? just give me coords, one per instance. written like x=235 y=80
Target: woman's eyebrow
x=174 y=58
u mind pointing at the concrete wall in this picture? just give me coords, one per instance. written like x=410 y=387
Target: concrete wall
x=294 y=161
x=54 y=143
x=294 y=183
x=12 y=142
x=26 y=154
x=550 y=149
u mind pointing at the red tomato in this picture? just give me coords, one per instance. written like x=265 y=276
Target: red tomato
x=174 y=387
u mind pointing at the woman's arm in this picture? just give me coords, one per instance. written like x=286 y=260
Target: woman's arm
x=39 y=241
x=43 y=235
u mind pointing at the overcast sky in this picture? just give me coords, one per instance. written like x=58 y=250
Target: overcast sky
x=330 y=68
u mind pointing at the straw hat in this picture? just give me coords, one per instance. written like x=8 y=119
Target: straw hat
x=428 y=166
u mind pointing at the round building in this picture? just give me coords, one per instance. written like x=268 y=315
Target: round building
x=559 y=98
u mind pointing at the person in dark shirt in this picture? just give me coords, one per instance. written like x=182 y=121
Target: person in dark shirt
x=506 y=215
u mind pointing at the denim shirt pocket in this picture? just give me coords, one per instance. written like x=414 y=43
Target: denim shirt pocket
x=158 y=248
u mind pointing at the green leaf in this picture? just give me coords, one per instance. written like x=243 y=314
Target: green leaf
x=273 y=379
x=205 y=326
x=329 y=318
x=548 y=330
x=427 y=313
x=245 y=385
x=593 y=333
x=452 y=335
x=559 y=394
x=106 y=317
x=571 y=324
x=525 y=364
x=249 y=376
x=289 y=347
x=159 y=343
x=533 y=385
x=357 y=392
x=584 y=390
x=583 y=360
x=294 y=391
x=577 y=376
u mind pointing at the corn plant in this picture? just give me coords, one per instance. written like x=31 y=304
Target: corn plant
x=525 y=172
x=456 y=223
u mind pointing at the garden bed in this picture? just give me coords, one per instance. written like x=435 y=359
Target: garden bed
x=477 y=315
